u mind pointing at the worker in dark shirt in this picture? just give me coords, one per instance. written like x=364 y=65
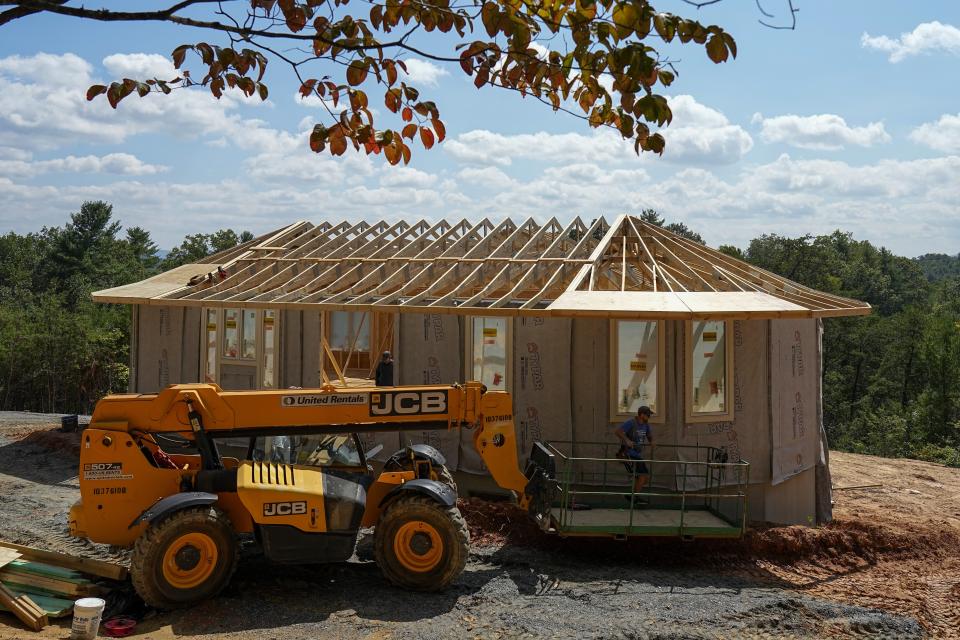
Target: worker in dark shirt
x=384 y=374
x=633 y=435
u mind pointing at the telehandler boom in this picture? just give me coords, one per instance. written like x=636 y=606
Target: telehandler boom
x=304 y=488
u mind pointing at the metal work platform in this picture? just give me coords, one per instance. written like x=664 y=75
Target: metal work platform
x=692 y=491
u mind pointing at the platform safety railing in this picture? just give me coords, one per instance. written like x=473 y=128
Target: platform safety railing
x=681 y=478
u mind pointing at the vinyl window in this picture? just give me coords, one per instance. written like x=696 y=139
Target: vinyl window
x=637 y=349
x=709 y=370
x=489 y=351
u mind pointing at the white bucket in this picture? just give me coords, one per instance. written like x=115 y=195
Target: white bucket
x=86 y=618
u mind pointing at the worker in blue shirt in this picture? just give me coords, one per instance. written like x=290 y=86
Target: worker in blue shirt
x=633 y=435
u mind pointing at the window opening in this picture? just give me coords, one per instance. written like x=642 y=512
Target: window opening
x=709 y=367
x=638 y=347
x=490 y=345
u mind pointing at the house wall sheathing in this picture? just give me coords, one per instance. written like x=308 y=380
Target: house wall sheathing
x=430 y=352
x=561 y=385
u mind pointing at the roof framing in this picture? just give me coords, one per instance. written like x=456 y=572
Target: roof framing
x=625 y=269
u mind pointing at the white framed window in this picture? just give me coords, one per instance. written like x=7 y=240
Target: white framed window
x=637 y=349
x=708 y=347
x=490 y=351
x=271 y=344
x=209 y=359
x=240 y=348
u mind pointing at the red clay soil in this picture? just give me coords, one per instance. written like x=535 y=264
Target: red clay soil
x=894 y=547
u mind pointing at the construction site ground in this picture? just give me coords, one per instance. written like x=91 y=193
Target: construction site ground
x=887 y=567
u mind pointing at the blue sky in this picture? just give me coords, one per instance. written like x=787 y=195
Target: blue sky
x=851 y=121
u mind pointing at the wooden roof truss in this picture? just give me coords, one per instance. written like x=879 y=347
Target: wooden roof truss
x=477 y=268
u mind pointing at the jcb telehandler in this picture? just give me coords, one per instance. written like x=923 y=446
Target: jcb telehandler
x=304 y=488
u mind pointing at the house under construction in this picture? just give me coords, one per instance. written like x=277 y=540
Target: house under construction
x=583 y=323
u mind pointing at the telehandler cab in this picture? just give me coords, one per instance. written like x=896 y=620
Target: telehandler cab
x=304 y=488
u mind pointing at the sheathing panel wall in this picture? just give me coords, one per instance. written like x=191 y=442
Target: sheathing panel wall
x=291 y=357
x=747 y=436
x=431 y=352
x=310 y=352
x=190 y=356
x=541 y=382
x=795 y=397
x=161 y=347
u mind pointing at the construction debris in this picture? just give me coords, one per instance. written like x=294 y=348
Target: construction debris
x=36 y=585
x=85 y=565
x=48 y=579
x=24 y=608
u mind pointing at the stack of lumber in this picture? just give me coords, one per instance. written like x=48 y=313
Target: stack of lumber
x=37 y=584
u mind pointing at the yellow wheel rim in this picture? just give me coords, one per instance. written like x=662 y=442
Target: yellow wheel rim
x=190 y=560
x=418 y=546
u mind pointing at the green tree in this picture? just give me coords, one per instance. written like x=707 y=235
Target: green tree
x=144 y=250
x=562 y=54
x=650 y=216
x=197 y=246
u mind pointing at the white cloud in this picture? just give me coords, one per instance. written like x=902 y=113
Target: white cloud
x=824 y=131
x=43 y=106
x=698 y=135
x=481 y=147
x=423 y=72
x=406 y=177
x=786 y=196
x=942 y=135
x=926 y=38
x=702 y=135
x=116 y=163
x=139 y=66
x=484 y=178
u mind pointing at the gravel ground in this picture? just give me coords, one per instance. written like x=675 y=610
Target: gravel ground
x=506 y=590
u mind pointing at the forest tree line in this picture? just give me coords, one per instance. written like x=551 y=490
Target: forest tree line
x=891 y=382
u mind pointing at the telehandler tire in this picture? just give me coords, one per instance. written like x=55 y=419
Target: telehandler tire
x=421 y=544
x=442 y=474
x=184 y=558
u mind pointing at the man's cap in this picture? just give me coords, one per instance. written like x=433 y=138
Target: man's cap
x=386 y=354
x=645 y=410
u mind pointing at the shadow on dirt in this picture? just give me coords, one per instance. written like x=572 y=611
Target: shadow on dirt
x=29 y=459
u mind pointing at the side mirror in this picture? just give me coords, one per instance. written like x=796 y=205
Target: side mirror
x=377 y=449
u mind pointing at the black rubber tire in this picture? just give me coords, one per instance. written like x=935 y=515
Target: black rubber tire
x=449 y=524
x=146 y=563
x=443 y=475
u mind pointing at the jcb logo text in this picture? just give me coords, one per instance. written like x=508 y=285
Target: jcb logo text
x=406 y=403
x=285 y=508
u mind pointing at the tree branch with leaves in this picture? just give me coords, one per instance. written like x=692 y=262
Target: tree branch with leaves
x=595 y=59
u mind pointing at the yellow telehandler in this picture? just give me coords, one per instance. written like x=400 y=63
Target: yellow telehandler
x=303 y=487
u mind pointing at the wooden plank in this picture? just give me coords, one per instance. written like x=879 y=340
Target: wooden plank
x=52 y=606
x=158 y=285
x=601 y=303
x=84 y=565
x=47 y=570
x=8 y=555
x=51 y=585
x=24 y=608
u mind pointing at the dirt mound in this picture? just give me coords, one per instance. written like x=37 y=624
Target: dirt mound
x=54 y=441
